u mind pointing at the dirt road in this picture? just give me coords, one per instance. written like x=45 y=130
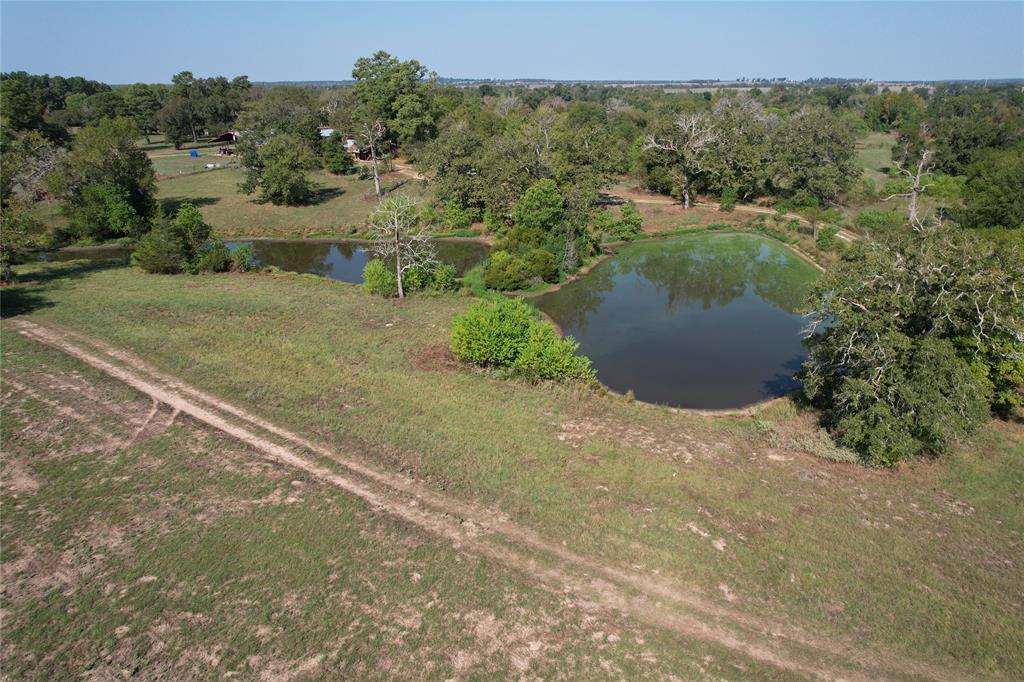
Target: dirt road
x=490 y=534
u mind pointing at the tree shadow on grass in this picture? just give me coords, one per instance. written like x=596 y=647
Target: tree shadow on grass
x=323 y=194
x=170 y=205
x=28 y=293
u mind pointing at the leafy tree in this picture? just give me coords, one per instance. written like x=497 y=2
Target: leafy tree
x=994 y=191
x=924 y=330
x=185 y=90
x=541 y=209
x=104 y=169
x=337 y=159
x=278 y=171
x=142 y=103
x=737 y=159
x=278 y=110
x=102 y=211
x=397 y=94
x=813 y=155
x=25 y=160
x=178 y=119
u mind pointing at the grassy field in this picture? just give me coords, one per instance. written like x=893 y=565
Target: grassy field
x=874 y=155
x=924 y=562
x=345 y=202
x=115 y=539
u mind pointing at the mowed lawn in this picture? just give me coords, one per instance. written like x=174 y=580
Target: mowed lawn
x=343 y=204
x=926 y=561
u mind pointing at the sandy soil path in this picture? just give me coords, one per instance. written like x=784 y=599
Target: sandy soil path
x=647 y=597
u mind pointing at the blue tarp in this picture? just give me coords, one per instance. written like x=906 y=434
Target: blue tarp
x=194 y=154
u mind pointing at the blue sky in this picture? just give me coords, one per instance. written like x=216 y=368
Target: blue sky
x=123 y=42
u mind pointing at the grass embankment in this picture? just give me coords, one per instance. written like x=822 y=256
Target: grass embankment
x=925 y=561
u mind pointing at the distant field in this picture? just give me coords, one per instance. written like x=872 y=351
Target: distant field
x=874 y=155
x=346 y=201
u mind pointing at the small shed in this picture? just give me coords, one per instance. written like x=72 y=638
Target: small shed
x=227 y=136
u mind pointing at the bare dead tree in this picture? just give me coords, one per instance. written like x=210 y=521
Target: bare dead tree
x=690 y=135
x=917 y=177
x=396 y=233
x=373 y=133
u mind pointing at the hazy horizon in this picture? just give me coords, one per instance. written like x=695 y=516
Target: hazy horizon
x=300 y=41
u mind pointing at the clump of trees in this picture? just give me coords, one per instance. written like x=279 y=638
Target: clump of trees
x=508 y=334
x=917 y=337
x=182 y=244
x=546 y=237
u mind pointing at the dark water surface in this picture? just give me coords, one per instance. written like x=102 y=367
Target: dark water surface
x=344 y=260
x=701 y=322
x=340 y=260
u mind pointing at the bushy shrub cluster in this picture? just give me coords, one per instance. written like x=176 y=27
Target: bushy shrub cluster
x=727 y=202
x=182 y=245
x=507 y=333
x=626 y=228
x=875 y=220
x=243 y=259
x=506 y=271
x=827 y=237
x=379 y=278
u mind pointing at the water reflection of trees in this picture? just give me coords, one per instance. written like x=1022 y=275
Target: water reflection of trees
x=297 y=256
x=571 y=305
x=717 y=271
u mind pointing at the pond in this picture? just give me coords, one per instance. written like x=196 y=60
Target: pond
x=344 y=260
x=340 y=260
x=706 y=322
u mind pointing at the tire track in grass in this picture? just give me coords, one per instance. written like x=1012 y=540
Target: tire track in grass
x=650 y=599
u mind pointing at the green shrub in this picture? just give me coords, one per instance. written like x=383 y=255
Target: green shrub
x=444 y=278
x=547 y=356
x=873 y=219
x=244 y=258
x=493 y=224
x=429 y=215
x=506 y=272
x=827 y=237
x=492 y=333
x=630 y=222
x=213 y=256
x=727 y=202
x=604 y=222
x=160 y=251
x=542 y=264
x=380 y=279
x=456 y=217
x=506 y=333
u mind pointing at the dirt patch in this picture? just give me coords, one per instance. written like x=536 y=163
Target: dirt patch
x=434 y=358
x=681 y=447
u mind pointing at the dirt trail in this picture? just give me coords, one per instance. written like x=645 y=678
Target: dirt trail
x=646 y=597
x=640 y=198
